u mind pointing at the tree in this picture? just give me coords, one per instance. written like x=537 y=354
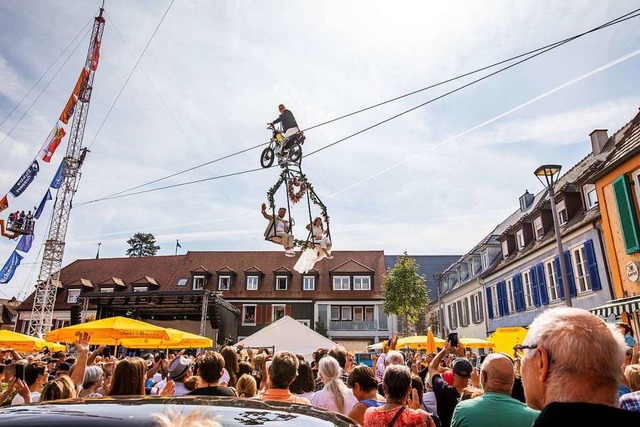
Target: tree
x=405 y=292
x=321 y=328
x=142 y=244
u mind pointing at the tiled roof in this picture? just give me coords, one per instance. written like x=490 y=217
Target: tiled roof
x=167 y=270
x=428 y=265
x=627 y=142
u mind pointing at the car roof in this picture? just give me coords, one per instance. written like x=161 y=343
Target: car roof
x=141 y=411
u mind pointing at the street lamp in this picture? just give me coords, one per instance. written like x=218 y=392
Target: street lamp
x=550 y=173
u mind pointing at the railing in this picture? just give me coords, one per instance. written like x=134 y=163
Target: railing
x=352 y=325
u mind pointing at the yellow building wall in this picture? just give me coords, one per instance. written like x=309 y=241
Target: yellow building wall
x=614 y=243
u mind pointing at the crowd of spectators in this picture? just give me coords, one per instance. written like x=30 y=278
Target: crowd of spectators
x=573 y=368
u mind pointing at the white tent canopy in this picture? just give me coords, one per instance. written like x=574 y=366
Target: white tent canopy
x=288 y=334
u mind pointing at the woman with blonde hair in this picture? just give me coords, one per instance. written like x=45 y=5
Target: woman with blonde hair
x=334 y=396
x=60 y=388
x=246 y=386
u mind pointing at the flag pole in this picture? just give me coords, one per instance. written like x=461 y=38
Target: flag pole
x=177 y=244
x=98 y=253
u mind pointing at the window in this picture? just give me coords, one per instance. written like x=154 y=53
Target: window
x=182 y=282
x=453 y=316
x=581 y=272
x=590 y=196
x=476 y=308
x=249 y=314
x=552 y=281
x=505 y=249
x=528 y=290
x=485 y=260
x=362 y=283
x=346 y=313
x=252 y=283
x=282 y=282
x=341 y=283
x=198 y=283
x=106 y=290
x=278 y=312
x=472 y=268
x=305 y=322
x=495 y=303
x=368 y=314
x=72 y=295
x=562 y=213
x=335 y=312
x=308 y=283
x=511 y=296
x=463 y=312
x=537 y=225
x=224 y=283
x=627 y=213
x=140 y=289
x=358 y=314
x=520 y=239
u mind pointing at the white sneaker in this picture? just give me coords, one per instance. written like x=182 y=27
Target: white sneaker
x=290 y=253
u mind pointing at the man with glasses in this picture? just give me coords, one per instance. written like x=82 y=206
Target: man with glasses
x=571 y=370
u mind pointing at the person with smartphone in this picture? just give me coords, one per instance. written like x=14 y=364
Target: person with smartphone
x=34 y=375
x=447 y=396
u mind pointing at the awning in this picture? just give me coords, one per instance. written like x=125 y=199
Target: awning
x=617 y=307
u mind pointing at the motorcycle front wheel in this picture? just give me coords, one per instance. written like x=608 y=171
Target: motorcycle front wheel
x=266 y=158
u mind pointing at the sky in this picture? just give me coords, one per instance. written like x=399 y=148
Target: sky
x=433 y=181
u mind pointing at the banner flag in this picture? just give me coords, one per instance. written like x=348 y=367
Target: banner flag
x=52 y=142
x=25 y=242
x=4 y=203
x=73 y=99
x=96 y=56
x=38 y=212
x=58 y=178
x=10 y=267
x=26 y=179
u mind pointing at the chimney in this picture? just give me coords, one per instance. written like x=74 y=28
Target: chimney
x=599 y=138
x=525 y=200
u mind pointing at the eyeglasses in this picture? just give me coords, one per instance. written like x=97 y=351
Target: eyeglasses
x=521 y=347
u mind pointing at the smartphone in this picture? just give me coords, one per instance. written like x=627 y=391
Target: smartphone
x=9 y=372
x=20 y=371
x=453 y=337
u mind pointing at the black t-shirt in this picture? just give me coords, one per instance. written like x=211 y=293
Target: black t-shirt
x=214 y=390
x=447 y=398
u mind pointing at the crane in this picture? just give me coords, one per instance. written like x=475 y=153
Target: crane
x=49 y=276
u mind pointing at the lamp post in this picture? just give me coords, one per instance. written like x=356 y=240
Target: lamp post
x=550 y=173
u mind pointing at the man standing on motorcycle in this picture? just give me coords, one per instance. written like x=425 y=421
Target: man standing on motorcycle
x=289 y=125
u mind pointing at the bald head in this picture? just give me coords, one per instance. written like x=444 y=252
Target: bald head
x=497 y=374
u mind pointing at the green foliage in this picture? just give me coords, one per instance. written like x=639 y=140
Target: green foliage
x=405 y=292
x=321 y=328
x=142 y=244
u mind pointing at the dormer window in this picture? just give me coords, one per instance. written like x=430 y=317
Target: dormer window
x=252 y=283
x=590 y=196
x=282 y=283
x=538 y=228
x=485 y=260
x=224 y=283
x=106 y=290
x=140 y=288
x=73 y=295
x=562 y=213
x=198 y=283
x=520 y=239
x=505 y=249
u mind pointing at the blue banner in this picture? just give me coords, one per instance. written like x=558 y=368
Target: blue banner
x=10 y=267
x=58 y=179
x=25 y=242
x=46 y=197
x=26 y=179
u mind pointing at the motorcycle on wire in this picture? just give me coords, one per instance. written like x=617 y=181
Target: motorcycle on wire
x=287 y=150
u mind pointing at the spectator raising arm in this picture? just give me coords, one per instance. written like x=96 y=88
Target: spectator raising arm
x=81 y=363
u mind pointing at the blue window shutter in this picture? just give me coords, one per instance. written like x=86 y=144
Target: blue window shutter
x=518 y=291
x=504 y=305
x=534 y=286
x=592 y=265
x=489 y=303
x=627 y=213
x=559 y=281
x=572 y=280
x=542 y=284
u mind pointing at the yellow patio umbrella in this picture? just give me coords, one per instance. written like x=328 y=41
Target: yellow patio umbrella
x=506 y=338
x=188 y=340
x=475 y=343
x=111 y=331
x=25 y=343
x=417 y=342
x=431 y=342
